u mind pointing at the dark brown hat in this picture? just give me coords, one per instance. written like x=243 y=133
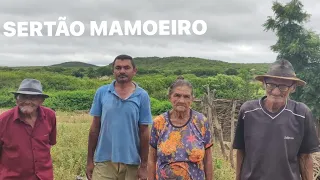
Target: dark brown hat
x=281 y=69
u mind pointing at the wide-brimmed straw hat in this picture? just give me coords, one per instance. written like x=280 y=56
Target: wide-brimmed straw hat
x=281 y=69
x=30 y=87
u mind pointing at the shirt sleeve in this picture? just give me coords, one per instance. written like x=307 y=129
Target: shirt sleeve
x=207 y=134
x=238 y=142
x=310 y=141
x=53 y=133
x=157 y=126
x=145 y=110
x=3 y=126
x=1 y=132
x=96 y=106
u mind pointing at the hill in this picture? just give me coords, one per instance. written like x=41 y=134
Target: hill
x=189 y=65
x=176 y=62
x=73 y=64
x=173 y=65
x=194 y=65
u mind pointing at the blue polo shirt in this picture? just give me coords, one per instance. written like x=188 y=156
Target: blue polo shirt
x=119 y=139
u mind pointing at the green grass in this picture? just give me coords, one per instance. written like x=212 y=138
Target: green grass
x=222 y=168
x=70 y=152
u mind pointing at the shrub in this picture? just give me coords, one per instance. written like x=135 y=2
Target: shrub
x=159 y=107
x=6 y=99
x=70 y=100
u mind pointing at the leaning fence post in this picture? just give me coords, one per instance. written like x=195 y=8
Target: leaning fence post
x=234 y=104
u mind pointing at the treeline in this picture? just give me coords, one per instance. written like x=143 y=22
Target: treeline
x=69 y=93
x=166 y=66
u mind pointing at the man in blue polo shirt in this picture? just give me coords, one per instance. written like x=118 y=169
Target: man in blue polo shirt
x=119 y=134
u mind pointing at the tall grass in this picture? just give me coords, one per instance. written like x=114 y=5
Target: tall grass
x=222 y=168
x=70 y=152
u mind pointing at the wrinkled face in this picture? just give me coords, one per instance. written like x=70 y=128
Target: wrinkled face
x=278 y=90
x=181 y=98
x=123 y=71
x=29 y=104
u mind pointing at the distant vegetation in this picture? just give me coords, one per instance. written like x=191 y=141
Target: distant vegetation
x=73 y=64
x=73 y=88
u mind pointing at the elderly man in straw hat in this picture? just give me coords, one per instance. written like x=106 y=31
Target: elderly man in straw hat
x=275 y=135
x=27 y=133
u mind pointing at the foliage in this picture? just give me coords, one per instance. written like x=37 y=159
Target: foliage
x=74 y=64
x=69 y=93
x=233 y=87
x=231 y=71
x=310 y=93
x=78 y=73
x=50 y=81
x=300 y=46
x=70 y=100
x=192 y=65
x=6 y=98
x=149 y=66
x=159 y=107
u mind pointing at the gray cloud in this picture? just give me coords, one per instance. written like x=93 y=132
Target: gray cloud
x=234 y=34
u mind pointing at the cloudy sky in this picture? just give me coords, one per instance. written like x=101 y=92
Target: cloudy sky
x=234 y=30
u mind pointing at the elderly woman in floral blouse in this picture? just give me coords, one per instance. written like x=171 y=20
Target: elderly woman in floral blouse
x=180 y=142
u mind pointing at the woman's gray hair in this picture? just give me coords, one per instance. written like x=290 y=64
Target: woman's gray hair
x=180 y=81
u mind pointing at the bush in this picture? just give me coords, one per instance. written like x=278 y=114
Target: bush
x=6 y=99
x=159 y=107
x=70 y=100
x=50 y=81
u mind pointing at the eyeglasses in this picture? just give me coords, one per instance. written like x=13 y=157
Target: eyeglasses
x=281 y=87
x=24 y=97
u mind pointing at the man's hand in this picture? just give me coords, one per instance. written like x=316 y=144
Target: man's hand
x=142 y=173
x=92 y=143
x=144 y=152
x=89 y=170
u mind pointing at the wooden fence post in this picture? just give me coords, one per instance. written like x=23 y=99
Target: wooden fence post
x=215 y=122
x=234 y=105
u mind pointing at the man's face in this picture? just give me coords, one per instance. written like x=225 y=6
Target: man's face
x=123 y=70
x=278 y=90
x=29 y=104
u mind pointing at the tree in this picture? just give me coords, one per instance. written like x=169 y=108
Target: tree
x=77 y=73
x=104 y=71
x=231 y=71
x=91 y=73
x=295 y=43
x=298 y=45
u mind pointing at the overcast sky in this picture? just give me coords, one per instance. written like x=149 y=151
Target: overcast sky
x=234 y=30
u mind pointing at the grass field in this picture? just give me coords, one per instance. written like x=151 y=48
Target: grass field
x=69 y=154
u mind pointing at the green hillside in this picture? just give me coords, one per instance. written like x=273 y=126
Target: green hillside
x=193 y=65
x=189 y=65
x=72 y=88
x=74 y=64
